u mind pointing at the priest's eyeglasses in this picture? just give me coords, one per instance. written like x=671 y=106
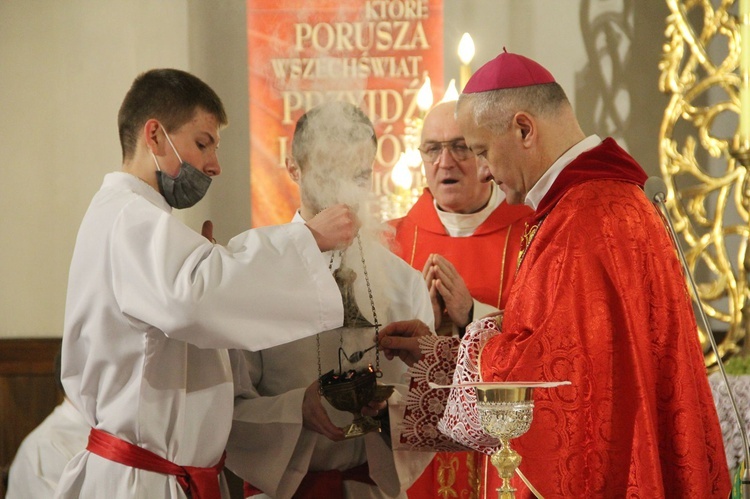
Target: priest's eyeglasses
x=432 y=150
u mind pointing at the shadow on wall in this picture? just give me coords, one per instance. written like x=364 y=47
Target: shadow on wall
x=617 y=93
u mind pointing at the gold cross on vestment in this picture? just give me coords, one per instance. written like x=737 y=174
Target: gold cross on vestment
x=529 y=232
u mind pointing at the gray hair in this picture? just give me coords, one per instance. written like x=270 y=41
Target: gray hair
x=495 y=109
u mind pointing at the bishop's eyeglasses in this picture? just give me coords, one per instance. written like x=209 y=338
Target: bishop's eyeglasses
x=431 y=150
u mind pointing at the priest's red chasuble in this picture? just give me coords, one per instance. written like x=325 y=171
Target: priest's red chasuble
x=600 y=300
x=487 y=262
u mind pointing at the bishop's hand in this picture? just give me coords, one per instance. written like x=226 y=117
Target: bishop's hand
x=401 y=339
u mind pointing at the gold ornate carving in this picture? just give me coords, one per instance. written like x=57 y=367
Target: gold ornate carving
x=703 y=163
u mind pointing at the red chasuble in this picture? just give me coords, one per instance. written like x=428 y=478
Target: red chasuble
x=487 y=262
x=600 y=300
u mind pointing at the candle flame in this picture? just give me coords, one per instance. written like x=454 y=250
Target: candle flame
x=424 y=96
x=412 y=157
x=466 y=49
x=451 y=93
x=400 y=173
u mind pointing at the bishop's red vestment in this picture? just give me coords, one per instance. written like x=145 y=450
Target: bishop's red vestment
x=600 y=300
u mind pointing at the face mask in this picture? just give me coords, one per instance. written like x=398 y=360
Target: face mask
x=187 y=188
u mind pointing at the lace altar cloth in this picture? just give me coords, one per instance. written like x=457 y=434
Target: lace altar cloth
x=729 y=429
x=461 y=420
x=425 y=405
x=447 y=361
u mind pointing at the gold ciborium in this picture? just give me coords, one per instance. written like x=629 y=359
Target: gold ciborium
x=505 y=413
x=351 y=391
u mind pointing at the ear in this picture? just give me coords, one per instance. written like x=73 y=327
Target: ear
x=292 y=169
x=153 y=137
x=526 y=127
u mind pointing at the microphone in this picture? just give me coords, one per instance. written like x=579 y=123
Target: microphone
x=656 y=190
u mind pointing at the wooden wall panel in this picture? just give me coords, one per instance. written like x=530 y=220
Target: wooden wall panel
x=28 y=390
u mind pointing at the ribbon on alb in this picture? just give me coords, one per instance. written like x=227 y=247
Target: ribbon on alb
x=198 y=483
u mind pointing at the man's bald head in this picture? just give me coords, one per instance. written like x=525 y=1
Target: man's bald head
x=440 y=115
x=450 y=168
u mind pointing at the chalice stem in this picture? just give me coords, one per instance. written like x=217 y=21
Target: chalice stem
x=506 y=491
x=506 y=460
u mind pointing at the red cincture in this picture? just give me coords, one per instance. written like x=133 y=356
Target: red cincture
x=198 y=483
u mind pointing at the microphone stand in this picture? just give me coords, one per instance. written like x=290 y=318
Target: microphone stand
x=656 y=189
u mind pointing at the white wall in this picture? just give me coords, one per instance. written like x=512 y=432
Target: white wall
x=527 y=27
x=65 y=66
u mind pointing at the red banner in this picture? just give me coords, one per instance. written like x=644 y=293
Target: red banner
x=372 y=53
